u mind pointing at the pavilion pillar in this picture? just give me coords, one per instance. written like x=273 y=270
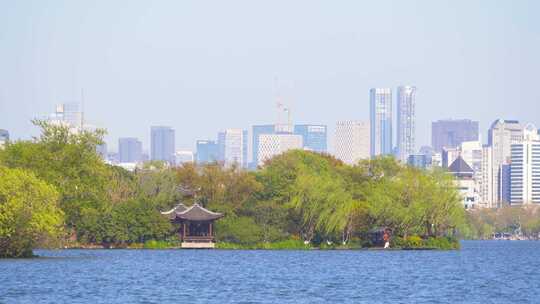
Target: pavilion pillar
x=184 y=231
x=210 y=229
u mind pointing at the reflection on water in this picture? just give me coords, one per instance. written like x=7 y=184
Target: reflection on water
x=482 y=272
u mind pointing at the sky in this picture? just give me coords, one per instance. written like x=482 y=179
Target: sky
x=203 y=66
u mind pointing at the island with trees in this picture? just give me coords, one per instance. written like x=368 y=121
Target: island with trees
x=56 y=192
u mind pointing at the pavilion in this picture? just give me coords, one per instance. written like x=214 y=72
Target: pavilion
x=196 y=225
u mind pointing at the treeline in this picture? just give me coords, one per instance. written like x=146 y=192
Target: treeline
x=515 y=220
x=71 y=195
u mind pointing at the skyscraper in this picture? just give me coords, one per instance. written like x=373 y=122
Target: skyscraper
x=162 y=144
x=381 y=121
x=256 y=132
x=314 y=137
x=418 y=161
x=271 y=145
x=207 y=151
x=451 y=133
x=231 y=147
x=129 y=150
x=406 y=103
x=102 y=150
x=68 y=114
x=245 y=148
x=501 y=136
x=352 y=141
x=487 y=194
x=525 y=169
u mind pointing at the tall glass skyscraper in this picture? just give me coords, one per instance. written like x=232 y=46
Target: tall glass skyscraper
x=314 y=137
x=162 y=144
x=207 y=151
x=381 y=121
x=406 y=103
x=129 y=150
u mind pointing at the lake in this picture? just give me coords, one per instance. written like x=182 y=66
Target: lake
x=482 y=272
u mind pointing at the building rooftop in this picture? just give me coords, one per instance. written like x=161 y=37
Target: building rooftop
x=460 y=167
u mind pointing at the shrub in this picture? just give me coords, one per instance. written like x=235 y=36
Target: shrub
x=154 y=244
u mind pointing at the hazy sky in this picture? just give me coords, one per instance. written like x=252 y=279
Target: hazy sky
x=202 y=66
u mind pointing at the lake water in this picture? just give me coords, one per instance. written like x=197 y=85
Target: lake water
x=482 y=272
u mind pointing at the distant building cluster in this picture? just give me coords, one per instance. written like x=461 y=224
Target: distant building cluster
x=505 y=170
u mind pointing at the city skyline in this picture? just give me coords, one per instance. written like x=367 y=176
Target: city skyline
x=135 y=76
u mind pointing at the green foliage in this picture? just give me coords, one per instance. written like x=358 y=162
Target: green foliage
x=155 y=244
x=29 y=213
x=416 y=242
x=66 y=160
x=289 y=244
x=443 y=243
x=296 y=197
x=124 y=223
x=241 y=230
x=523 y=221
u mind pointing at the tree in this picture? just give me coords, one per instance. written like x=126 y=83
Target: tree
x=29 y=213
x=68 y=161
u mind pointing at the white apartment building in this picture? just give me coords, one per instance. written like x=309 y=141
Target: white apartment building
x=501 y=136
x=352 y=141
x=525 y=169
x=231 y=146
x=271 y=145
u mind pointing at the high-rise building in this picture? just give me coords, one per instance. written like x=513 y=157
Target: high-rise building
x=129 y=150
x=313 y=136
x=487 y=197
x=271 y=145
x=448 y=156
x=525 y=168
x=418 y=160
x=352 y=141
x=184 y=156
x=501 y=136
x=245 y=148
x=231 y=147
x=102 y=150
x=162 y=144
x=68 y=114
x=451 y=133
x=471 y=152
x=4 y=137
x=207 y=151
x=428 y=152
x=256 y=132
x=381 y=121
x=406 y=103
x=506 y=184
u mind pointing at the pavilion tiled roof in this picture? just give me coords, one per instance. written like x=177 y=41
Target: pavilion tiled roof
x=193 y=213
x=171 y=214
